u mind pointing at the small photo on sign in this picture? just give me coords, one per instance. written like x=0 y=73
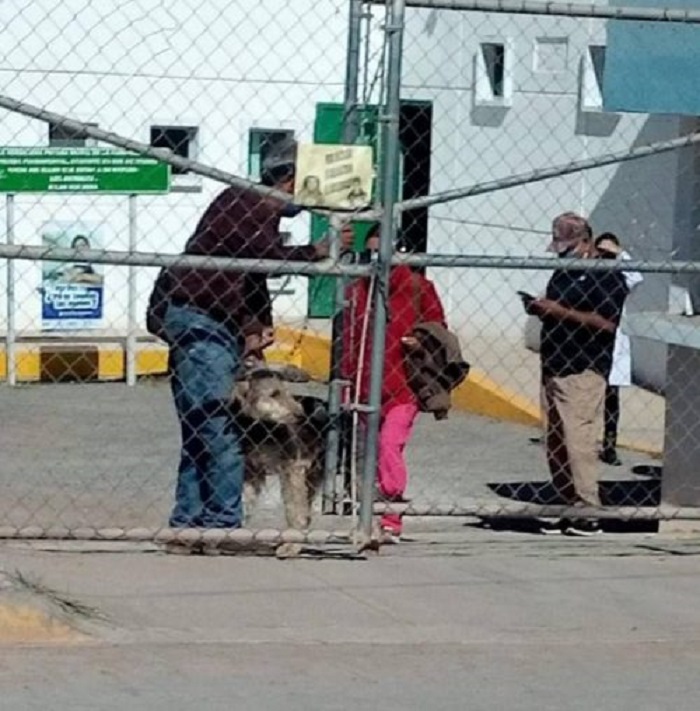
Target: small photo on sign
x=333 y=176
x=72 y=292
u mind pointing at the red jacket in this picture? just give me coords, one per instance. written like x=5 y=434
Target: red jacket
x=412 y=300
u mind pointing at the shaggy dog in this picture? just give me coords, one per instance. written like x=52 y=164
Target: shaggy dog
x=282 y=435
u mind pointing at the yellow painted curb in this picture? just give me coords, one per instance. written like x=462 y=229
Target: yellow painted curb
x=309 y=351
x=22 y=624
x=482 y=396
x=110 y=364
x=27 y=364
x=479 y=394
x=107 y=362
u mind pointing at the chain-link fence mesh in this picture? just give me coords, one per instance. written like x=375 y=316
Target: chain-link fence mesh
x=507 y=114
x=224 y=89
x=514 y=113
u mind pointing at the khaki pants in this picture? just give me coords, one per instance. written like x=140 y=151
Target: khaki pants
x=573 y=417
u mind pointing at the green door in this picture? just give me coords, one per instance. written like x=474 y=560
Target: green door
x=328 y=128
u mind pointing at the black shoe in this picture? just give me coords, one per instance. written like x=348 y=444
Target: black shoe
x=609 y=456
x=583 y=527
x=552 y=528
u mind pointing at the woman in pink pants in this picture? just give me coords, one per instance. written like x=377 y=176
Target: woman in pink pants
x=412 y=300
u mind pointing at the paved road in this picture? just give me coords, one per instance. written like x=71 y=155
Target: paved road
x=105 y=455
x=514 y=623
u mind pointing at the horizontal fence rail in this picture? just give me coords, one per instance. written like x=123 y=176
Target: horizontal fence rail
x=547 y=173
x=559 y=9
x=145 y=259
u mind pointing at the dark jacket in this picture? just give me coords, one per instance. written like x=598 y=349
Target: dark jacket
x=238 y=223
x=435 y=368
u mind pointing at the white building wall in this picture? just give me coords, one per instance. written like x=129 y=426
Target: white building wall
x=544 y=125
x=207 y=63
x=204 y=64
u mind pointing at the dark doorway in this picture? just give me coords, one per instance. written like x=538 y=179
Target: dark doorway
x=415 y=133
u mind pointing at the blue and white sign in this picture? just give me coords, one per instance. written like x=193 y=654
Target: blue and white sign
x=72 y=293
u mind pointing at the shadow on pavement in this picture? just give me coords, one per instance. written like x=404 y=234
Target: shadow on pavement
x=628 y=493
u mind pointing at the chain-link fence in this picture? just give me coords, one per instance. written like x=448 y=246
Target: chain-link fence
x=535 y=111
x=484 y=122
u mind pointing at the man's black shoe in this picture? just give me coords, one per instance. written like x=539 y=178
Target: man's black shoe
x=583 y=527
x=552 y=528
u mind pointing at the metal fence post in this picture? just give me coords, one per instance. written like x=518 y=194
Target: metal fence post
x=333 y=439
x=131 y=342
x=352 y=73
x=390 y=166
x=11 y=333
x=350 y=130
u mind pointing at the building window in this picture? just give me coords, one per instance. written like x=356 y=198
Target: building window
x=493 y=74
x=592 y=71
x=597 y=55
x=494 y=56
x=260 y=141
x=62 y=137
x=181 y=140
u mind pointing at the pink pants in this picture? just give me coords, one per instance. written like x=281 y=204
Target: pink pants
x=392 y=474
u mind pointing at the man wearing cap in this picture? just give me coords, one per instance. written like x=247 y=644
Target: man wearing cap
x=579 y=314
x=208 y=315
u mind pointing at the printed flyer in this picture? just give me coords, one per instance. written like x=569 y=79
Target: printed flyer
x=72 y=292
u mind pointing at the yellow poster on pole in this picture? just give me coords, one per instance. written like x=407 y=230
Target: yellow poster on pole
x=333 y=176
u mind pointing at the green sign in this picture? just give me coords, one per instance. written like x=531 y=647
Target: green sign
x=80 y=170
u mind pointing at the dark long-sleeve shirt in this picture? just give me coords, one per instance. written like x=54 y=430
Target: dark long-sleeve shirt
x=243 y=224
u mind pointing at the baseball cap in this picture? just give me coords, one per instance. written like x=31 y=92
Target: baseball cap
x=568 y=230
x=279 y=163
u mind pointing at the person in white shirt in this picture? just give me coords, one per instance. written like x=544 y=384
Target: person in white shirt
x=609 y=247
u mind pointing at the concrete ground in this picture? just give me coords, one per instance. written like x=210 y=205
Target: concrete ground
x=460 y=616
x=105 y=456
x=492 y=622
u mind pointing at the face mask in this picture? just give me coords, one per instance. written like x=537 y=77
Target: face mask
x=291 y=210
x=566 y=253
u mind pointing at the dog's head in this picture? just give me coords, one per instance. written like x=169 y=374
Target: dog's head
x=264 y=396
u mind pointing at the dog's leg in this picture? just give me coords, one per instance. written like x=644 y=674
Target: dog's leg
x=295 y=493
x=314 y=481
x=295 y=496
x=253 y=484
x=250 y=499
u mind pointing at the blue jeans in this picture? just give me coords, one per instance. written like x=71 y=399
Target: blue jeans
x=204 y=358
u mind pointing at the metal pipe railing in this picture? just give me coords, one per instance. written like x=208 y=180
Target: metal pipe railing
x=326 y=267
x=557 y=171
x=558 y=9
